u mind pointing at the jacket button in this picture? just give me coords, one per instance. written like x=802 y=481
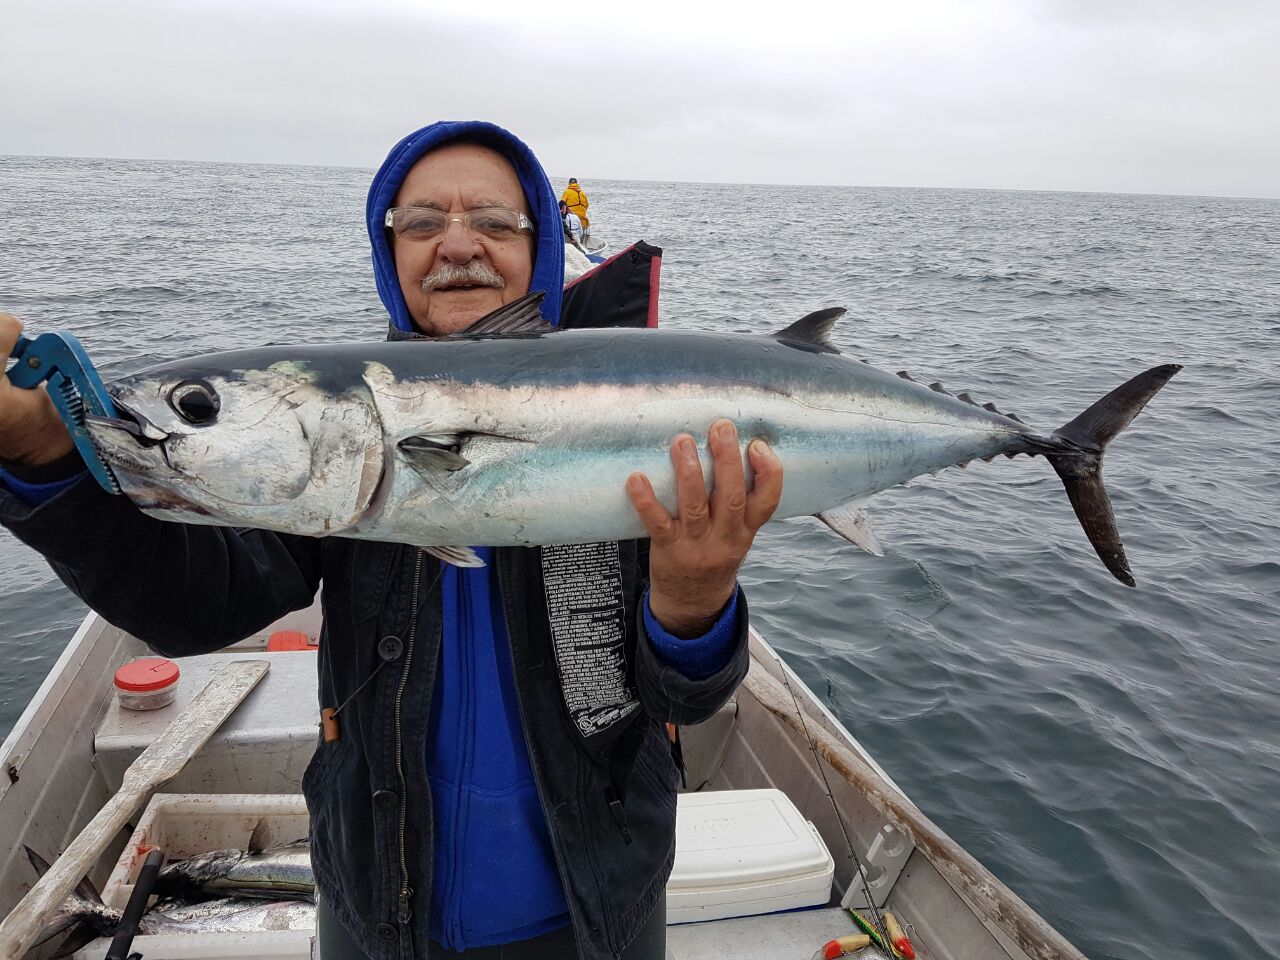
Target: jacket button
x=386 y=932
x=390 y=648
x=384 y=798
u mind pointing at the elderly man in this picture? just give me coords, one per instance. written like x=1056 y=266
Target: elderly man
x=490 y=793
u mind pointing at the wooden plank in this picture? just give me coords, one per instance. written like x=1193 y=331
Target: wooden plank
x=158 y=764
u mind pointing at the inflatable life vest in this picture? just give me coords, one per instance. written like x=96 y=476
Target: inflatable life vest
x=577 y=203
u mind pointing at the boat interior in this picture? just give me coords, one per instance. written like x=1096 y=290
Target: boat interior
x=68 y=752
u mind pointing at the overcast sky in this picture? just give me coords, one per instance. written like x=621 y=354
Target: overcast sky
x=1145 y=96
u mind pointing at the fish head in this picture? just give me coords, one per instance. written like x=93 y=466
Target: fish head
x=278 y=446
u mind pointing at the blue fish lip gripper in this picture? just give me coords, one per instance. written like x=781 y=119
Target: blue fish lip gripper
x=75 y=388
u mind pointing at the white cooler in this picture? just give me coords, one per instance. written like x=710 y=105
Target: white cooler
x=740 y=853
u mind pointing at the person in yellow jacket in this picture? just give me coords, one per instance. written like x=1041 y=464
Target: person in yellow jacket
x=577 y=202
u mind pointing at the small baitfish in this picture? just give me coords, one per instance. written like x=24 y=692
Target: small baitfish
x=228 y=915
x=278 y=873
x=504 y=436
x=220 y=915
x=264 y=869
x=83 y=916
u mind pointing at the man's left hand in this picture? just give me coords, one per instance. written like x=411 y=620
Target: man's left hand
x=694 y=557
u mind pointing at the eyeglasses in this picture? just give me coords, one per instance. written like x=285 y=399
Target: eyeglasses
x=424 y=223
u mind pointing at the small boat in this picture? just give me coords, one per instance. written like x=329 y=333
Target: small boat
x=67 y=754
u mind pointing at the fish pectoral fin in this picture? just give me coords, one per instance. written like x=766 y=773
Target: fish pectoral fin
x=432 y=454
x=518 y=316
x=458 y=556
x=850 y=521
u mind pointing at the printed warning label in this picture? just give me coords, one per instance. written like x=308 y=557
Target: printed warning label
x=583 y=583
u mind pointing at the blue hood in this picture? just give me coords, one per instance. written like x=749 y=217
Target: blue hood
x=548 y=263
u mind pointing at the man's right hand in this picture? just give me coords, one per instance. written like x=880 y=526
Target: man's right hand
x=31 y=432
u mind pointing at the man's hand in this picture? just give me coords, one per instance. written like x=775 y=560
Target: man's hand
x=694 y=558
x=31 y=432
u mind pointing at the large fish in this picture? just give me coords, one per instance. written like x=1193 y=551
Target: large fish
x=504 y=437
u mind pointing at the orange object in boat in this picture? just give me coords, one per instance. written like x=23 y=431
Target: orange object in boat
x=898 y=938
x=284 y=640
x=842 y=946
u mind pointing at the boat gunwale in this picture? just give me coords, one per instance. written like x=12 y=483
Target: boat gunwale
x=30 y=725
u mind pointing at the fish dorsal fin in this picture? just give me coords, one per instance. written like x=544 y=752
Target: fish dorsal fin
x=850 y=522
x=432 y=454
x=813 y=329
x=518 y=316
x=458 y=556
x=261 y=838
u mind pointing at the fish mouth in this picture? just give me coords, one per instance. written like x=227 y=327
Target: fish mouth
x=131 y=422
x=128 y=441
x=131 y=427
x=140 y=462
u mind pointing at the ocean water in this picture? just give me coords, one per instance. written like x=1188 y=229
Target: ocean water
x=1112 y=754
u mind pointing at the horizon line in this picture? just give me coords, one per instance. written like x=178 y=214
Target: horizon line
x=741 y=183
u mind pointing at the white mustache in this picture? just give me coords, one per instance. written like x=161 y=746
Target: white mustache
x=474 y=274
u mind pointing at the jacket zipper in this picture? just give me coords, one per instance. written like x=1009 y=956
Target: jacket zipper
x=405 y=890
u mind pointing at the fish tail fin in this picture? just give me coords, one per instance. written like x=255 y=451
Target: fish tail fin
x=84 y=890
x=1077 y=458
x=83 y=913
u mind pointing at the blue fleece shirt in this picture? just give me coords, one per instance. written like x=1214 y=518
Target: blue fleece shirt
x=495 y=877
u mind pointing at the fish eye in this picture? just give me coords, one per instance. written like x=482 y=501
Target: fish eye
x=195 y=401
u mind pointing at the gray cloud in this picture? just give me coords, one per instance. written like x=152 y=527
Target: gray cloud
x=1059 y=94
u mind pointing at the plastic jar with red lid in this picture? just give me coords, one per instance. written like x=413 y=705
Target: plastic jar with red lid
x=147 y=683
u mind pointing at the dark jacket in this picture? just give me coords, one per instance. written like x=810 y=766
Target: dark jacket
x=602 y=763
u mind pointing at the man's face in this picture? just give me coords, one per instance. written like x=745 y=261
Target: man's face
x=457 y=178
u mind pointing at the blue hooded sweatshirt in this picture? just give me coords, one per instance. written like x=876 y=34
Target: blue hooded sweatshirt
x=495 y=878
x=544 y=209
